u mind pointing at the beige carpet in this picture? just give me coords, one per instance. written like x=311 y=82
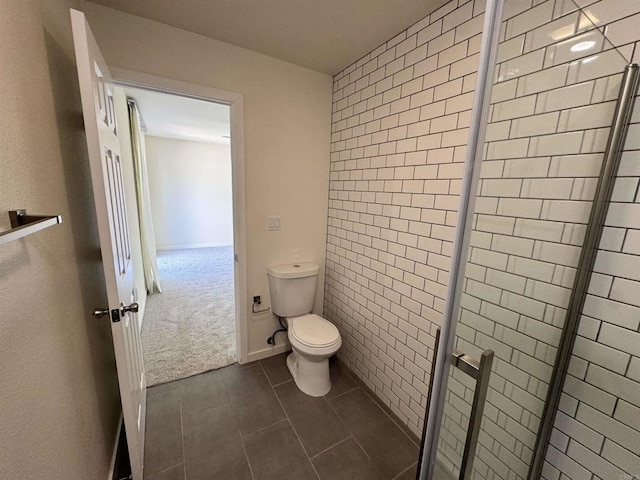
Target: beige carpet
x=190 y=328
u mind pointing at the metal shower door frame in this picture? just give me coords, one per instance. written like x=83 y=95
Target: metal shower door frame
x=470 y=176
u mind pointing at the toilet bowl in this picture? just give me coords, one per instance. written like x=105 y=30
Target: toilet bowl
x=313 y=339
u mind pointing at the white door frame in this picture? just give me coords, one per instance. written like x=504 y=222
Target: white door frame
x=235 y=102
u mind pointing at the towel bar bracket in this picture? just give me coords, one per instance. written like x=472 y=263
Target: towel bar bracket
x=23 y=224
x=19 y=218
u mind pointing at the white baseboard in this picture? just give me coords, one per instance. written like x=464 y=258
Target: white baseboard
x=192 y=245
x=268 y=352
x=112 y=466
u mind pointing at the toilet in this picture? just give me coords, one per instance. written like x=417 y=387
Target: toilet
x=313 y=339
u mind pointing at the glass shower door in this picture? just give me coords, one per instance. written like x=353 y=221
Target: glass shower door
x=553 y=98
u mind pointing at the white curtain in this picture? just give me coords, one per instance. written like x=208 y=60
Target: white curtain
x=147 y=239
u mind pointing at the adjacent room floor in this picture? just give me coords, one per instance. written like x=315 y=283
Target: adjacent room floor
x=251 y=422
x=190 y=327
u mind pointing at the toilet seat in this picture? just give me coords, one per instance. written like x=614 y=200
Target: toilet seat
x=313 y=331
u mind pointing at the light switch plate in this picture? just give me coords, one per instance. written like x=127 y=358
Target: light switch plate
x=273 y=223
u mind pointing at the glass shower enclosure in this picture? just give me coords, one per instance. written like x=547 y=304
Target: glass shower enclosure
x=514 y=393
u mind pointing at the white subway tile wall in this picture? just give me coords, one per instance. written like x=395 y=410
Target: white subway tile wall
x=399 y=131
x=400 y=126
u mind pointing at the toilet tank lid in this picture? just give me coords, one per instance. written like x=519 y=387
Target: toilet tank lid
x=294 y=270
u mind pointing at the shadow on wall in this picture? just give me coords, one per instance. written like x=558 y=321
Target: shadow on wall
x=16 y=262
x=84 y=229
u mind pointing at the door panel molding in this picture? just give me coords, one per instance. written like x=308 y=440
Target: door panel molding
x=103 y=148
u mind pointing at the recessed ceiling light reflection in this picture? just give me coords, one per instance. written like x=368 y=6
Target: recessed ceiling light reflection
x=582 y=46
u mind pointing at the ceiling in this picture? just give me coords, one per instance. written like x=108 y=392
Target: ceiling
x=323 y=35
x=183 y=118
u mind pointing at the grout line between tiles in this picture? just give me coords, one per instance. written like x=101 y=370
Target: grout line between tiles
x=243 y=435
x=329 y=448
x=184 y=453
x=365 y=389
x=259 y=362
x=405 y=471
x=162 y=471
x=287 y=418
x=246 y=455
x=295 y=432
x=274 y=385
x=343 y=393
x=400 y=426
x=347 y=427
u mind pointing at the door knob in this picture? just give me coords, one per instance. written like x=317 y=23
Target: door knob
x=130 y=308
x=100 y=312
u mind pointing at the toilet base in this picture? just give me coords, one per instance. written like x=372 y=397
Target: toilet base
x=311 y=374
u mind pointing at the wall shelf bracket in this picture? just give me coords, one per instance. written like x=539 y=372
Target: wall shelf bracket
x=23 y=224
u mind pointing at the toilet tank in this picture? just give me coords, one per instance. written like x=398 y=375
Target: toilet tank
x=292 y=288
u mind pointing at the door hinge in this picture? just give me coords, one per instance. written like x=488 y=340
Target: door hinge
x=115 y=315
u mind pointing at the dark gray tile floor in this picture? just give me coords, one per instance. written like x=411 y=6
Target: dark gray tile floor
x=251 y=422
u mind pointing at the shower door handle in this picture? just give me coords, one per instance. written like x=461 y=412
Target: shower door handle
x=480 y=371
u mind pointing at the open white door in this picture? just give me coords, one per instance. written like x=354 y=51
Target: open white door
x=108 y=191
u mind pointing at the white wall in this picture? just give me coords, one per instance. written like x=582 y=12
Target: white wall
x=191 y=193
x=287 y=113
x=59 y=402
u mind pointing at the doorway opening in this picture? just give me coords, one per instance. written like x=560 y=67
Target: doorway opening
x=193 y=315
